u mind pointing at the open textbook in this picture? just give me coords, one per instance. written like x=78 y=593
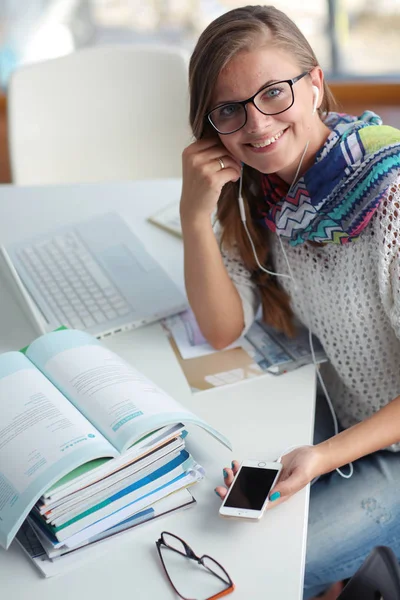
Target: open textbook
x=71 y=413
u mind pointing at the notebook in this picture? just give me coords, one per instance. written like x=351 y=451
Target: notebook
x=168 y=218
x=95 y=276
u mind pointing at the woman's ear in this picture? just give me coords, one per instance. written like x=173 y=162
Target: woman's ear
x=316 y=98
x=317 y=80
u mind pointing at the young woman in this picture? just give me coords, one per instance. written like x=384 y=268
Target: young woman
x=322 y=201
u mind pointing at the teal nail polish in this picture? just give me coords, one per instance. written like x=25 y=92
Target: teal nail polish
x=224 y=473
x=217 y=493
x=233 y=466
x=275 y=496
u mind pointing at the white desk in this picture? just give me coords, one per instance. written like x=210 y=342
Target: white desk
x=261 y=417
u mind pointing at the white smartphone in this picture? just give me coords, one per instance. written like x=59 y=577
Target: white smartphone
x=247 y=498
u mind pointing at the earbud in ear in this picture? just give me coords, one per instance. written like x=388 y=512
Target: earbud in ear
x=316 y=97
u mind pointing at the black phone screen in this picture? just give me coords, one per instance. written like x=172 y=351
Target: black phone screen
x=251 y=488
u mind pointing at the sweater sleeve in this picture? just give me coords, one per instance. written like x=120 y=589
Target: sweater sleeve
x=388 y=231
x=241 y=279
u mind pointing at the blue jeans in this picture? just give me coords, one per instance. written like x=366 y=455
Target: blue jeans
x=349 y=517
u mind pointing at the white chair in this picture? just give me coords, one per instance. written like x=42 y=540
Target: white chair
x=101 y=113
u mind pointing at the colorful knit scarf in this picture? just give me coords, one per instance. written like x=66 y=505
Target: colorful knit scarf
x=335 y=199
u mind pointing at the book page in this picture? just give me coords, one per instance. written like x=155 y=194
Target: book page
x=42 y=437
x=121 y=402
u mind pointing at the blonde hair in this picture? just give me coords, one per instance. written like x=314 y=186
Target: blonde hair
x=243 y=29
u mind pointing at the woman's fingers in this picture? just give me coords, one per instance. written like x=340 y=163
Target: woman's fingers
x=210 y=164
x=224 y=162
x=221 y=491
x=299 y=468
x=235 y=466
x=207 y=167
x=217 y=152
x=205 y=143
x=228 y=475
x=223 y=175
x=276 y=501
x=230 y=472
x=200 y=153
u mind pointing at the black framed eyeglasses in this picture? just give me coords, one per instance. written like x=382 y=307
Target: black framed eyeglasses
x=272 y=99
x=189 y=582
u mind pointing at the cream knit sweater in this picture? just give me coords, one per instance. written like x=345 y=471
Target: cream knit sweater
x=350 y=297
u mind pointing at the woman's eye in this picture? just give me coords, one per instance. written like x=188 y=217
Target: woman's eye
x=272 y=93
x=229 y=110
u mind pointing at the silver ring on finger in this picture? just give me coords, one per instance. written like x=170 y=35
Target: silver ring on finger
x=221 y=162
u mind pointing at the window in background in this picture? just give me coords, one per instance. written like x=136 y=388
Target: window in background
x=40 y=29
x=366 y=38
x=351 y=38
x=182 y=21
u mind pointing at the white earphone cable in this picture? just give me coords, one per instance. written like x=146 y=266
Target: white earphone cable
x=299 y=166
x=291 y=276
x=322 y=383
x=243 y=218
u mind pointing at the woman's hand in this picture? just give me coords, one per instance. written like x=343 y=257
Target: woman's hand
x=204 y=177
x=300 y=467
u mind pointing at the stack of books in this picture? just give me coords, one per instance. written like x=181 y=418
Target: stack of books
x=105 y=497
x=91 y=448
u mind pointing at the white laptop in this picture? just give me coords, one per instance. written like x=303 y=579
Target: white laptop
x=95 y=276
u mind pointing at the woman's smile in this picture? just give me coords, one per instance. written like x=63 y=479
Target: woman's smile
x=267 y=144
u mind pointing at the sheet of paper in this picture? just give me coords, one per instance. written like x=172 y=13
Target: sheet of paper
x=187 y=335
x=214 y=370
x=261 y=350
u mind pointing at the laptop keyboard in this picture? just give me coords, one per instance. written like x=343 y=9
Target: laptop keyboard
x=75 y=287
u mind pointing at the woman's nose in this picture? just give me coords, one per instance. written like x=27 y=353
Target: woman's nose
x=256 y=120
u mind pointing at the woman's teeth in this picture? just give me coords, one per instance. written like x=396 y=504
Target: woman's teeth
x=268 y=141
